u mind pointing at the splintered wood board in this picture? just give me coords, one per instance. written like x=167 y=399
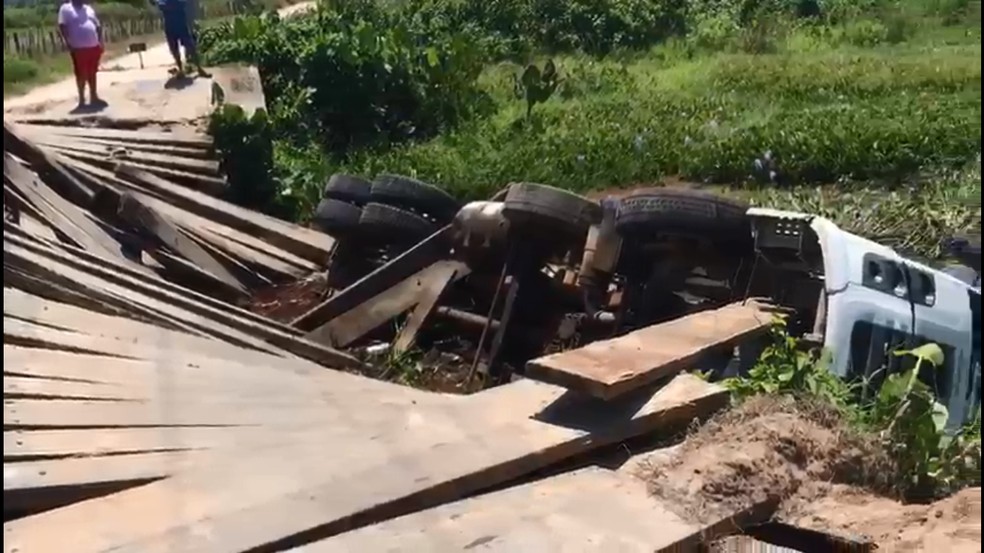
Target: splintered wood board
x=358 y=473
x=609 y=368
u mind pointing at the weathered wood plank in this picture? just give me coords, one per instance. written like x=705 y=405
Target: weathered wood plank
x=589 y=510
x=133 y=210
x=307 y=243
x=211 y=185
x=430 y=250
x=188 y=140
x=225 y=323
x=377 y=311
x=425 y=305
x=121 y=154
x=66 y=217
x=308 y=494
x=47 y=166
x=609 y=368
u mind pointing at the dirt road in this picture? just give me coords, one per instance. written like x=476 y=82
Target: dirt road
x=132 y=92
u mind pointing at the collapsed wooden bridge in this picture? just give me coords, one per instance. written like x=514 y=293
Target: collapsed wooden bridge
x=147 y=410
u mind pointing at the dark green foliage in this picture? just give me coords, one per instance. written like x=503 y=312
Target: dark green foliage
x=244 y=145
x=355 y=75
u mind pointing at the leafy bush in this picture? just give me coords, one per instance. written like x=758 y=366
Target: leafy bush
x=355 y=75
x=903 y=414
x=244 y=145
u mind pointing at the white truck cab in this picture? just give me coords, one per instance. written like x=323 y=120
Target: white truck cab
x=875 y=302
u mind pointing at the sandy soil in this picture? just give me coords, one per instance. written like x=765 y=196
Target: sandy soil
x=952 y=525
x=822 y=476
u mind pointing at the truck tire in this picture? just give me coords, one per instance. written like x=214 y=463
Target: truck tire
x=336 y=217
x=413 y=194
x=692 y=213
x=394 y=224
x=348 y=189
x=536 y=206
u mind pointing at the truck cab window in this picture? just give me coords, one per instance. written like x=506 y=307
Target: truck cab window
x=873 y=357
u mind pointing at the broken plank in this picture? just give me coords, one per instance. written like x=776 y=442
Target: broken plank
x=342 y=331
x=307 y=243
x=308 y=494
x=66 y=217
x=426 y=303
x=431 y=249
x=47 y=166
x=609 y=368
x=133 y=210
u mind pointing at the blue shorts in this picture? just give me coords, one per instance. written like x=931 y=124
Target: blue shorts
x=176 y=29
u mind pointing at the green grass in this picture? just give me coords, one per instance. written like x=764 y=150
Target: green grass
x=21 y=75
x=870 y=115
x=891 y=114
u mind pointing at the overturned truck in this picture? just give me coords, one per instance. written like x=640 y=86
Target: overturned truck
x=655 y=280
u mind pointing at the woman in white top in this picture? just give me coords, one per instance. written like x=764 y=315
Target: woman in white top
x=82 y=33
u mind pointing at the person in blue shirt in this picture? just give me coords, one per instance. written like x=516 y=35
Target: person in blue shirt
x=177 y=31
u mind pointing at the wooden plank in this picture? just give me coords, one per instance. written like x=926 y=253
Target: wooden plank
x=47 y=166
x=179 y=299
x=432 y=249
x=246 y=247
x=308 y=494
x=62 y=214
x=609 y=368
x=397 y=300
x=133 y=210
x=187 y=140
x=38 y=279
x=15 y=387
x=588 y=510
x=170 y=306
x=121 y=154
x=42 y=485
x=180 y=151
x=426 y=303
x=307 y=243
x=210 y=185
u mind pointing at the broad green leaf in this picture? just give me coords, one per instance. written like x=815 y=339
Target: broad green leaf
x=932 y=353
x=433 y=58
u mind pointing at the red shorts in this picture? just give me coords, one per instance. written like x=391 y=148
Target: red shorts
x=86 y=61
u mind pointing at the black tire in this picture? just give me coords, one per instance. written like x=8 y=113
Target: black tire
x=683 y=212
x=413 y=194
x=540 y=207
x=393 y=224
x=336 y=217
x=348 y=189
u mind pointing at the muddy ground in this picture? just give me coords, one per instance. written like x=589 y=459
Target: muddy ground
x=823 y=476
